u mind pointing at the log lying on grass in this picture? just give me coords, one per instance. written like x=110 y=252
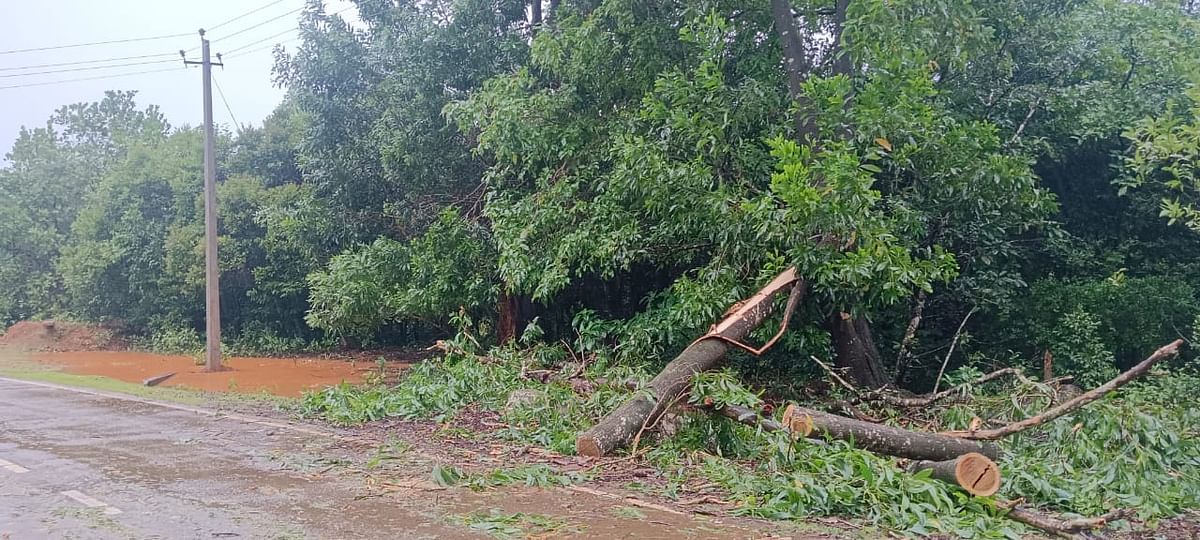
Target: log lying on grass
x=975 y=473
x=624 y=424
x=890 y=440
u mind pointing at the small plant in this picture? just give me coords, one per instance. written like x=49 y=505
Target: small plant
x=174 y=339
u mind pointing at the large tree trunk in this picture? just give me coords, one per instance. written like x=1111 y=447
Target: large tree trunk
x=856 y=351
x=621 y=426
x=535 y=16
x=852 y=340
x=516 y=311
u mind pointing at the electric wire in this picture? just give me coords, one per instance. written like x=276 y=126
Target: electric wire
x=221 y=93
x=252 y=51
x=91 y=68
x=80 y=62
x=253 y=43
x=109 y=42
x=110 y=76
x=246 y=14
x=249 y=28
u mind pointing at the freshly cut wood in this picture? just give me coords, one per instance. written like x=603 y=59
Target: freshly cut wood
x=877 y=438
x=1098 y=392
x=975 y=473
x=892 y=441
x=799 y=426
x=621 y=426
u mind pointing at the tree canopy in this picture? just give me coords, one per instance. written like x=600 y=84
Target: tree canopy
x=615 y=173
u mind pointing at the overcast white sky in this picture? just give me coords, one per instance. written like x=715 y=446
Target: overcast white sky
x=246 y=78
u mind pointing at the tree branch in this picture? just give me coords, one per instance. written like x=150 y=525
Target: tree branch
x=1094 y=394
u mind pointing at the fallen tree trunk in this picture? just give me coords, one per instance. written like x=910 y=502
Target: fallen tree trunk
x=876 y=438
x=1098 y=392
x=975 y=473
x=892 y=441
x=623 y=425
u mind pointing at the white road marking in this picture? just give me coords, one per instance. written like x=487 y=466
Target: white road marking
x=91 y=502
x=12 y=467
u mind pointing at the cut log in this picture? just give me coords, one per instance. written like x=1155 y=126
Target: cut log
x=975 y=473
x=1098 y=392
x=890 y=440
x=621 y=426
x=799 y=426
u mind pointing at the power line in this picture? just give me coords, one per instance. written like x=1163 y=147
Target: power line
x=246 y=14
x=221 y=93
x=130 y=40
x=92 y=68
x=268 y=38
x=88 y=61
x=252 y=51
x=113 y=76
x=249 y=28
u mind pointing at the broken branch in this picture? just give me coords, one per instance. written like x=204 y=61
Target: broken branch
x=619 y=427
x=1094 y=394
x=1065 y=528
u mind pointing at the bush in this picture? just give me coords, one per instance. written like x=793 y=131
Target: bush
x=1129 y=317
x=173 y=338
x=427 y=279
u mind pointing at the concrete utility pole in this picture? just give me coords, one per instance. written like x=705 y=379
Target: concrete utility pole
x=212 y=292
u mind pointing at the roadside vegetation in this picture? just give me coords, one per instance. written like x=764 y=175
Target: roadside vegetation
x=561 y=196
x=1137 y=450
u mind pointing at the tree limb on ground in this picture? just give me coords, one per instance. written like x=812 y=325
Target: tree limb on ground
x=1065 y=528
x=1094 y=394
x=973 y=472
x=619 y=427
x=892 y=441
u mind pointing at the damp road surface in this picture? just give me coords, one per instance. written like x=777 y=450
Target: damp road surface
x=80 y=465
x=89 y=465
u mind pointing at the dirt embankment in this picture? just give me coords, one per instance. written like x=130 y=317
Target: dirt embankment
x=58 y=336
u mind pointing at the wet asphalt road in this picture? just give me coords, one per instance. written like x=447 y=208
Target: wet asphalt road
x=74 y=465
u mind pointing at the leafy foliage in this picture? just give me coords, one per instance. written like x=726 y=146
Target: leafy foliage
x=428 y=278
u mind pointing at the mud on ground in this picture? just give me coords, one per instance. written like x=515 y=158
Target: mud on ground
x=52 y=335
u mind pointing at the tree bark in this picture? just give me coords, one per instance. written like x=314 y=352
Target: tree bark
x=535 y=16
x=893 y=441
x=515 y=312
x=621 y=426
x=975 y=473
x=880 y=439
x=855 y=350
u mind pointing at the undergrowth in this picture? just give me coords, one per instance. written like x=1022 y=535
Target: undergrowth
x=1137 y=449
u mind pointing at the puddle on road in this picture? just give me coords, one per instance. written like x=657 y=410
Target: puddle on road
x=288 y=377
